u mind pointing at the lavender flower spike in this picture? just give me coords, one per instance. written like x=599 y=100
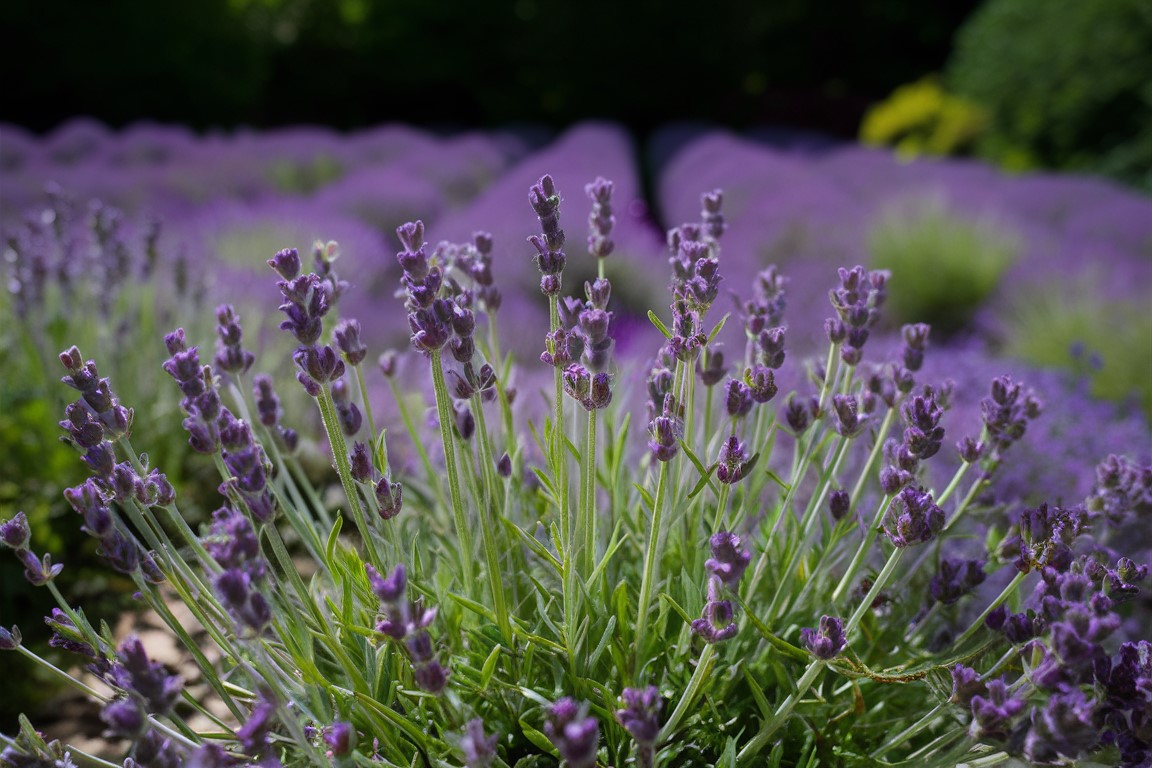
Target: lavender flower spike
x=575 y=735
x=828 y=641
x=729 y=558
x=640 y=716
x=479 y=750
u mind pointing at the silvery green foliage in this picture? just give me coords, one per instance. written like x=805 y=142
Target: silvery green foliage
x=600 y=593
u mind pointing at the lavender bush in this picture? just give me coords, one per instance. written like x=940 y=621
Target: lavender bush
x=724 y=574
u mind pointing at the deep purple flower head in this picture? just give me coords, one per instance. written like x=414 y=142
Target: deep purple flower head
x=915 y=342
x=711 y=219
x=734 y=464
x=1045 y=535
x=716 y=624
x=317 y=365
x=737 y=399
x=38 y=571
x=955 y=579
x=10 y=638
x=575 y=735
x=431 y=326
x=665 y=431
x=431 y=675
x=800 y=413
x=913 y=518
x=390 y=589
x=770 y=347
x=479 y=750
x=993 y=712
x=286 y=263
x=849 y=420
x=125 y=718
x=729 y=558
x=339 y=737
x=133 y=671
x=504 y=466
x=1007 y=411
x=390 y=497
x=966 y=683
x=1068 y=727
x=253 y=735
x=827 y=641
x=640 y=714
x=15 y=533
x=600 y=220
x=839 y=504
x=761 y=383
x=714 y=371
x=591 y=390
x=307 y=301
x=237 y=590
x=347 y=336
x=83 y=430
x=230 y=356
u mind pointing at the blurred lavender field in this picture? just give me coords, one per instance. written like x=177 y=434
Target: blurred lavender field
x=1083 y=246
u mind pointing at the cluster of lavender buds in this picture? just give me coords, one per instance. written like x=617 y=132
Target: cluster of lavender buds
x=857 y=302
x=574 y=734
x=600 y=220
x=213 y=428
x=389 y=495
x=913 y=518
x=545 y=200
x=407 y=622
x=640 y=716
x=38 y=571
x=232 y=543
x=146 y=689
x=827 y=641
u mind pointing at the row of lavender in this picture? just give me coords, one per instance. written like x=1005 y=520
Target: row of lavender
x=1077 y=684
x=226 y=201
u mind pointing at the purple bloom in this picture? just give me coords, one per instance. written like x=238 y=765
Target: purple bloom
x=479 y=750
x=575 y=735
x=339 y=738
x=993 y=712
x=913 y=518
x=15 y=533
x=729 y=558
x=640 y=715
x=839 y=504
x=828 y=641
x=738 y=399
x=125 y=718
x=10 y=639
x=849 y=420
x=716 y=624
x=665 y=431
x=1068 y=726
x=600 y=220
x=133 y=671
x=230 y=356
x=253 y=735
x=966 y=684
x=955 y=579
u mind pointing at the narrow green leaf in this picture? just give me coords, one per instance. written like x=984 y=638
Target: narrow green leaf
x=489 y=667
x=659 y=324
x=472 y=605
x=675 y=606
x=333 y=537
x=703 y=482
x=776 y=479
x=719 y=326
x=538 y=739
x=604 y=639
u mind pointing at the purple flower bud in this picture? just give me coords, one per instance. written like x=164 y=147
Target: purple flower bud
x=839 y=503
x=339 y=737
x=390 y=589
x=575 y=735
x=665 y=432
x=640 y=715
x=361 y=462
x=431 y=677
x=992 y=714
x=390 y=497
x=799 y=413
x=849 y=421
x=955 y=579
x=738 y=399
x=913 y=518
x=966 y=683
x=826 y=642
x=729 y=558
x=10 y=639
x=15 y=532
x=286 y=263
x=387 y=363
x=711 y=374
x=504 y=466
x=479 y=750
x=253 y=735
x=124 y=718
x=347 y=336
x=716 y=624
x=761 y=383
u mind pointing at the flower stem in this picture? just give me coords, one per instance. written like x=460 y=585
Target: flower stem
x=979 y=622
x=463 y=532
x=650 y=558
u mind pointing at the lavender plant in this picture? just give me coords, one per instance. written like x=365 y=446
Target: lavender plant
x=752 y=579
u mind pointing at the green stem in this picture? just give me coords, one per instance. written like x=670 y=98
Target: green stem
x=861 y=551
x=344 y=470
x=559 y=450
x=463 y=532
x=489 y=525
x=651 y=561
x=782 y=712
x=588 y=511
x=699 y=676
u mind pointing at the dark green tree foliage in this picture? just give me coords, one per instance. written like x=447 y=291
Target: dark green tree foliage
x=1066 y=82
x=349 y=63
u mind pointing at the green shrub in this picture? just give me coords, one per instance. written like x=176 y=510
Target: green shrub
x=1066 y=83
x=947 y=264
x=923 y=118
x=1108 y=339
